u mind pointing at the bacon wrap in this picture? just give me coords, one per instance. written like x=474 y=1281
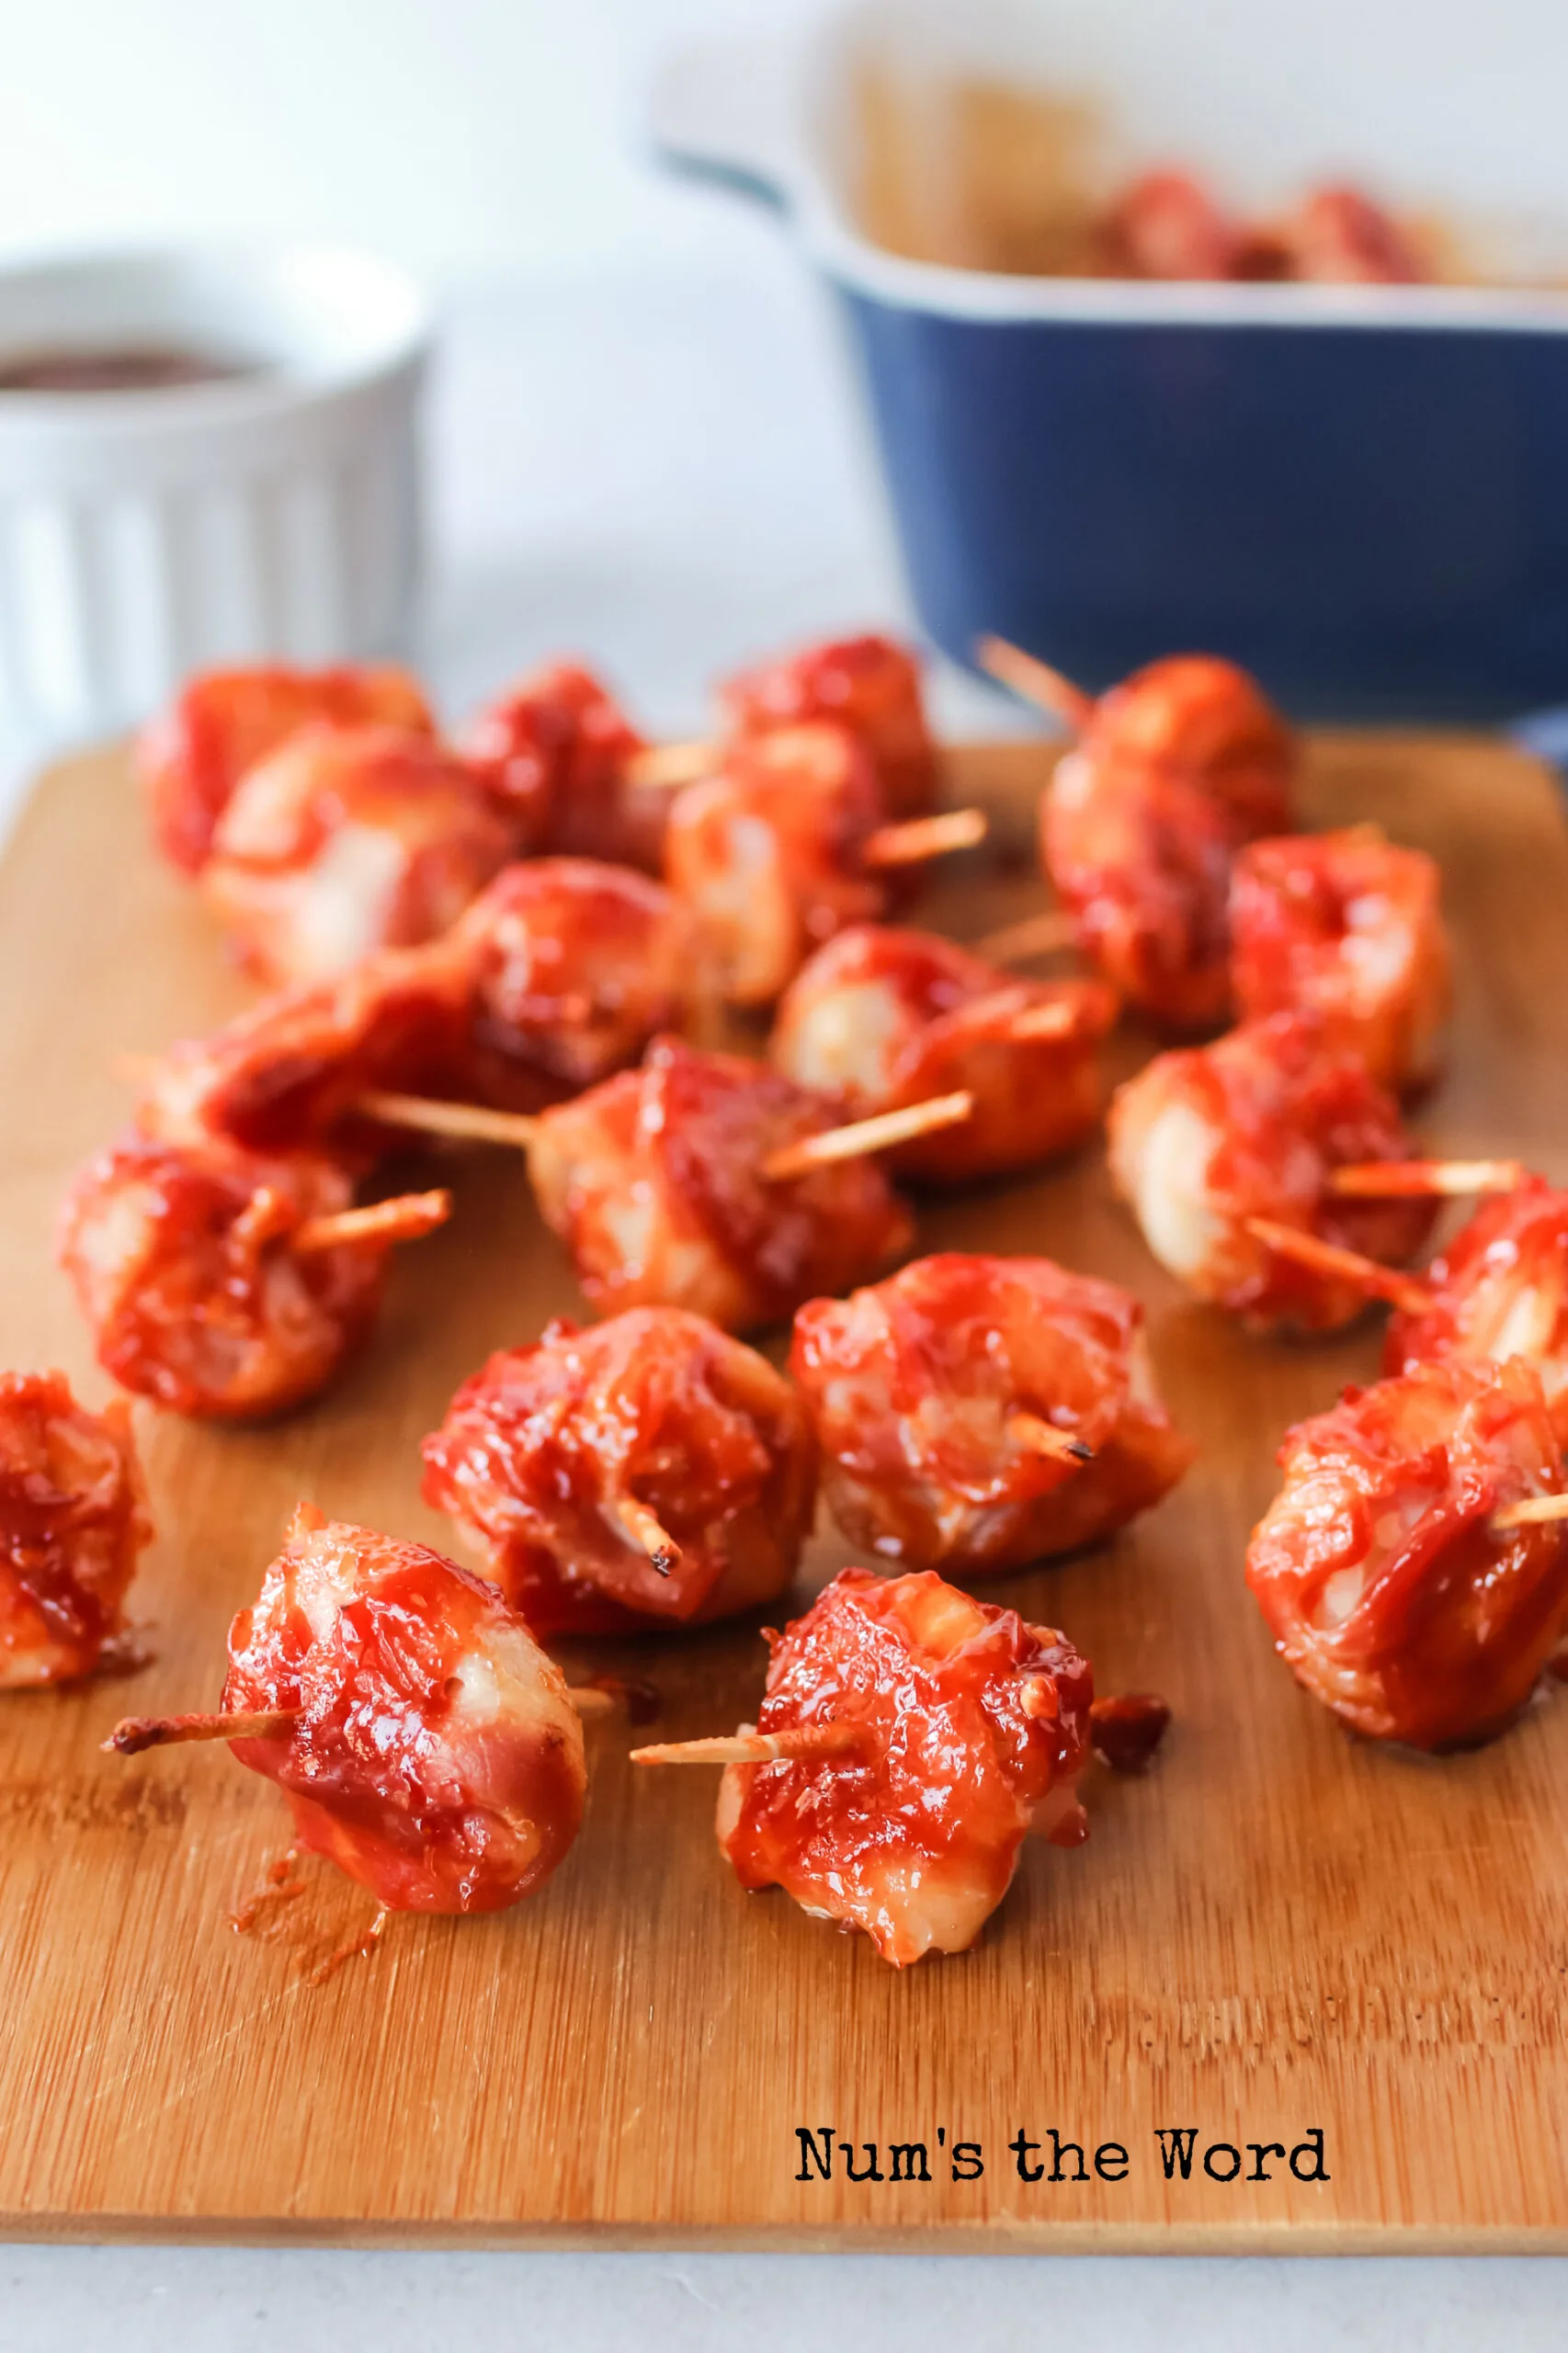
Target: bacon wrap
x=1350 y=927
x=1339 y=236
x=975 y=1728
x=911 y=1386
x=1388 y=1594
x=766 y=853
x=1166 y=225
x=1501 y=1291
x=542 y=1445
x=191 y=758
x=887 y=1017
x=438 y=1759
x=1195 y=716
x=346 y=840
x=869 y=686
x=74 y=1522
x=180 y=1259
x=1204 y=1139
x=553 y=752
x=653 y=1181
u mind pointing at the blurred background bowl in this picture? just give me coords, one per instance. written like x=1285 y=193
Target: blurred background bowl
x=268 y=506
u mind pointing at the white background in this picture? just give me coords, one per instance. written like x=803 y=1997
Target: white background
x=644 y=446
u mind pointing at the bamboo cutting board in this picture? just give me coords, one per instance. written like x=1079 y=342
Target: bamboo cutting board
x=1280 y=1933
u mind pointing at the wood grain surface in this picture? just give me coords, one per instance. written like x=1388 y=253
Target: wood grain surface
x=1277 y=1930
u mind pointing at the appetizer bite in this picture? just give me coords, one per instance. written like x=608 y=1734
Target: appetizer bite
x=649 y=1472
x=225 y=1284
x=1167 y=224
x=1348 y=926
x=223 y=722
x=868 y=685
x=560 y=757
x=1500 y=1290
x=886 y=1017
x=1221 y=1150
x=1413 y=1568
x=74 y=1522
x=976 y=1413
x=908 y=1741
x=425 y=1743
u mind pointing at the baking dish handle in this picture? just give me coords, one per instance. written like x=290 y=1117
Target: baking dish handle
x=729 y=110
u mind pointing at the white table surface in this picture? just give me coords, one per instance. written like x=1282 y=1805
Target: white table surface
x=667 y=474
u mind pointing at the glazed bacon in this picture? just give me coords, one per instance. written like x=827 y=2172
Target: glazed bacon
x=868 y=685
x=557 y=755
x=1348 y=926
x=1207 y=1139
x=1168 y=226
x=653 y=1182
x=224 y=721
x=1195 y=716
x=1500 y=1290
x=1339 y=236
x=1389 y=1594
x=562 y=1463
x=345 y=840
x=886 y=1017
x=969 y=1729
x=929 y=1393
x=74 y=1522
x=182 y=1262
x=436 y=1756
x=764 y=854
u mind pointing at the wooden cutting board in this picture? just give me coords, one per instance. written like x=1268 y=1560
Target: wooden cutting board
x=1278 y=1933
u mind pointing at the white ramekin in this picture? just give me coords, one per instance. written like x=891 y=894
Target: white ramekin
x=145 y=534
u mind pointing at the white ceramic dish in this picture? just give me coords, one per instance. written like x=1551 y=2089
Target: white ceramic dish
x=145 y=533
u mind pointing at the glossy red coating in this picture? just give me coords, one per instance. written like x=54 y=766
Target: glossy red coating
x=1348 y=927
x=74 y=1522
x=653 y=1181
x=180 y=1258
x=658 y=1407
x=192 y=756
x=870 y=685
x=1501 y=1291
x=911 y=1386
x=437 y=1758
x=1388 y=1594
x=974 y=1727
x=553 y=752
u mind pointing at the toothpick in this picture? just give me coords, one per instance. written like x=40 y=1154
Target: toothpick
x=644 y=1527
x=1403 y=1290
x=434 y=1116
x=918 y=838
x=1398 y=1180
x=863 y=1136
x=754 y=1747
x=1037 y=682
x=133 y=1734
x=672 y=764
x=1015 y=943
x=1532 y=1511
x=1040 y=1437
x=404 y=1218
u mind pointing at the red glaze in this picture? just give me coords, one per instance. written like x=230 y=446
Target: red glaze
x=1126 y=1728
x=652 y=1182
x=553 y=752
x=1350 y=927
x=192 y=757
x=1501 y=1291
x=887 y=1017
x=574 y=966
x=180 y=1259
x=1204 y=1139
x=347 y=839
x=972 y=1722
x=868 y=685
x=911 y=1386
x=438 y=1759
x=1166 y=225
x=658 y=1407
x=1388 y=1595
x=1195 y=716
x=766 y=855
x=1338 y=236
x=72 y=1523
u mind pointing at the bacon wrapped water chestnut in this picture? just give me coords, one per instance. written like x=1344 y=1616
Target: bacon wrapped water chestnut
x=222 y=1284
x=650 y=1471
x=976 y=1413
x=868 y=685
x=1211 y=1143
x=661 y=1184
x=425 y=1743
x=909 y=1740
x=1401 y=1571
x=191 y=758
x=560 y=757
x=1499 y=1289
x=1348 y=927
x=345 y=840
x=885 y=1018
x=74 y=1522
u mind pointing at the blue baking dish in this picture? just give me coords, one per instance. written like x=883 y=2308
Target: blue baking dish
x=1359 y=493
